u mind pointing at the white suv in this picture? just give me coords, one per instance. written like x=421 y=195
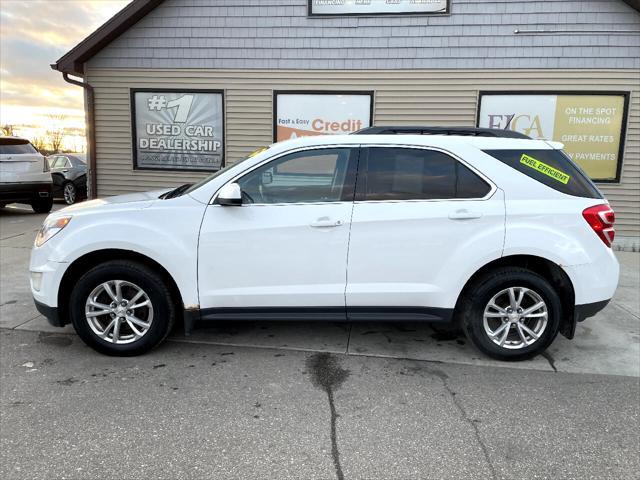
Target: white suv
x=24 y=175
x=504 y=235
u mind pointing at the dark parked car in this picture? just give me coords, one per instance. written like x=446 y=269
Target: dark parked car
x=69 y=174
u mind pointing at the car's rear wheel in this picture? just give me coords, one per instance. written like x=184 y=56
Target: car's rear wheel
x=122 y=308
x=42 y=204
x=70 y=193
x=511 y=314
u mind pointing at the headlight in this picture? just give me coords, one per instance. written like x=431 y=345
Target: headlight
x=49 y=228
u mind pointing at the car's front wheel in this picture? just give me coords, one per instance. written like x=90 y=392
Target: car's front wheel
x=511 y=314
x=122 y=308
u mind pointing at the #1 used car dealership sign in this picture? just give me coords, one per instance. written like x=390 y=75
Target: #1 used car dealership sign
x=177 y=130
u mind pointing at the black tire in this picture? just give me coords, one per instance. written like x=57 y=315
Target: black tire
x=69 y=199
x=149 y=281
x=478 y=295
x=42 y=205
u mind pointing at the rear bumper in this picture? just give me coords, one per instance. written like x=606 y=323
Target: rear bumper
x=52 y=314
x=582 y=312
x=24 y=191
x=597 y=281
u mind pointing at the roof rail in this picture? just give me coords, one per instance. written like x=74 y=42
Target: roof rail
x=464 y=131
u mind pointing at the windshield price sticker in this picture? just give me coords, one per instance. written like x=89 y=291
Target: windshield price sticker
x=545 y=169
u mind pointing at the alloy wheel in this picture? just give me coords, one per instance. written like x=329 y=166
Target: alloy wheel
x=515 y=317
x=69 y=193
x=119 y=312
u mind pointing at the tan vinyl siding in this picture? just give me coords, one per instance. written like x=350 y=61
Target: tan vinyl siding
x=425 y=97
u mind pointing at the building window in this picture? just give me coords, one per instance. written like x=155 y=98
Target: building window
x=177 y=129
x=302 y=114
x=378 y=7
x=590 y=125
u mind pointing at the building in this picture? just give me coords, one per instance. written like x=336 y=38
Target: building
x=175 y=88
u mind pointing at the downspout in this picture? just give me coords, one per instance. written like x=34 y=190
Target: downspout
x=91 y=133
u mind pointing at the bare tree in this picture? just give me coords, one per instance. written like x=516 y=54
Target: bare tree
x=55 y=134
x=40 y=143
x=8 y=130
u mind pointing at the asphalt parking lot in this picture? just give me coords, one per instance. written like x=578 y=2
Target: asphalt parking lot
x=313 y=400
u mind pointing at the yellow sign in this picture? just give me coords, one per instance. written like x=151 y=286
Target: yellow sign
x=591 y=126
x=545 y=169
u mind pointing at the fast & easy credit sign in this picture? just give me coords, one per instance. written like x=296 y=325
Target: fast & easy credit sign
x=302 y=114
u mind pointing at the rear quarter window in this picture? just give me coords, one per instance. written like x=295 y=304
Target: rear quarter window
x=553 y=168
x=10 y=146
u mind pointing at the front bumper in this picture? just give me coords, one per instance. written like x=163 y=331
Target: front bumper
x=45 y=279
x=52 y=314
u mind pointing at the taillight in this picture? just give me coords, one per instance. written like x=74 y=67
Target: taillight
x=601 y=219
x=45 y=165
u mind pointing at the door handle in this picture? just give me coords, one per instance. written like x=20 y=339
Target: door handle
x=326 y=222
x=464 y=214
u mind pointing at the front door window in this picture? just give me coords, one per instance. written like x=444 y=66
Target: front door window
x=310 y=176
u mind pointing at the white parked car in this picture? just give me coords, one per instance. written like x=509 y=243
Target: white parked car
x=24 y=175
x=506 y=236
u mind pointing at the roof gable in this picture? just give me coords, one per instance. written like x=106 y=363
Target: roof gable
x=73 y=61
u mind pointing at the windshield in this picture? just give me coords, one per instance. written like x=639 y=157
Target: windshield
x=206 y=180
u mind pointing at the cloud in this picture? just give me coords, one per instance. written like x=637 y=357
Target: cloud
x=33 y=35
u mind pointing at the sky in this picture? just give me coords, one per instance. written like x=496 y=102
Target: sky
x=34 y=34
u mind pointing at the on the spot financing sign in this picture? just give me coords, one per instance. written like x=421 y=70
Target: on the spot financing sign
x=591 y=126
x=177 y=130
x=306 y=114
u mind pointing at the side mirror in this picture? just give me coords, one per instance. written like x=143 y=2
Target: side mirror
x=229 y=195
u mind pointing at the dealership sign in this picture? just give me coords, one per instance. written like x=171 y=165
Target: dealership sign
x=177 y=130
x=590 y=125
x=377 y=7
x=302 y=114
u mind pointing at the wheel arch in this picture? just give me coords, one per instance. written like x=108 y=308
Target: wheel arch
x=542 y=266
x=84 y=263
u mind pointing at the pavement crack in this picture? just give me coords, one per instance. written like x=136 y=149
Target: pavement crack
x=12 y=236
x=626 y=309
x=328 y=375
x=550 y=359
x=349 y=339
x=25 y=322
x=465 y=417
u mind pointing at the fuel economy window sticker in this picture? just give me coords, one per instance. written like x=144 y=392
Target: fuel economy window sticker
x=545 y=169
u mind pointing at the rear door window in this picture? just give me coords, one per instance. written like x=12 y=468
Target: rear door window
x=550 y=167
x=418 y=174
x=16 y=146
